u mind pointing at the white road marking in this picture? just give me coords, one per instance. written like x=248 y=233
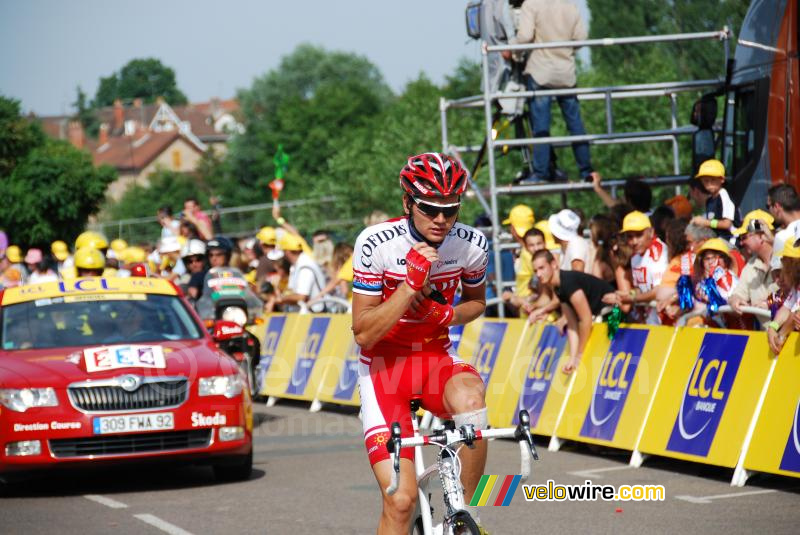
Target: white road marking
x=163 y=525
x=108 y=502
x=596 y=471
x=708 y=499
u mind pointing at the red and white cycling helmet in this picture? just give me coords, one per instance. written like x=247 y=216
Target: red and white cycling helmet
x=433 y=174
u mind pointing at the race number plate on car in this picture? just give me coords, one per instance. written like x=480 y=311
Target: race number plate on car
x=132 y=423
x=127 y=356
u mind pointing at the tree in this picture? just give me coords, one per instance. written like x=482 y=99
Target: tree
x=85 y=114
x=165 y=188
x=18 y=136
x=51 y=193
x=145 y=78
x=309 y=103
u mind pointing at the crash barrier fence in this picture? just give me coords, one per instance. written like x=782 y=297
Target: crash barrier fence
x=237 y=221
x=711 y=396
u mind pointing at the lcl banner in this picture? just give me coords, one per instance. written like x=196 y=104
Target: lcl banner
x=775 y=446
x=340 y=382
x=707 y=396
x=491 y=346
x=296 y=372
x=615 y=384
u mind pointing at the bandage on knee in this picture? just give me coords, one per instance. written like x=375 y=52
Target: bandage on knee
x=478 y=419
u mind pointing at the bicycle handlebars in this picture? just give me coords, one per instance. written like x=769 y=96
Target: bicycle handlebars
x=466 y=434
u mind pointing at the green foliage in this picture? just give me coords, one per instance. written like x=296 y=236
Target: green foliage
x=348 y=135
x=86 y=114
x=145 y=78
x=308 y=104
x=165 y=188
x=18 y=136
x=51 y=193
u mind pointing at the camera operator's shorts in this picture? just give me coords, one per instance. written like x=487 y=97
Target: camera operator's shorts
x=388 y=384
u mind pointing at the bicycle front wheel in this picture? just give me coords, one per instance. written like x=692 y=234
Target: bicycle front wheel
x=463 y=524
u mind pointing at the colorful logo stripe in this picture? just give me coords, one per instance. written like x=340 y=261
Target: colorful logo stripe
x=487 y=486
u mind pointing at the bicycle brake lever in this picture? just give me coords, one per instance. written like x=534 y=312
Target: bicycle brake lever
x=437 y=296
x=468 y=432
x=524 y=433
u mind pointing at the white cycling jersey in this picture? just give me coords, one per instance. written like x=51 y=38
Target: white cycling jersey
x=379 y=268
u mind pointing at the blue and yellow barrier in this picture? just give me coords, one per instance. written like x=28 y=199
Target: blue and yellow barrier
x=491 y=346
x=707 y=396
x=711 y=396
x=614 y=385
x=775 y=445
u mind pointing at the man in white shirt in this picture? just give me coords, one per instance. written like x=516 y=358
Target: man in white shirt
x=306 y=279
x=575 y=249
x=648 y=264
x=784 y=205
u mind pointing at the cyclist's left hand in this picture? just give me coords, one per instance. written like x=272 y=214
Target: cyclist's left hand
x=430 y=311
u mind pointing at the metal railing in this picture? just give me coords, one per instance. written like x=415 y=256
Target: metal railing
x=610 y=136
x=761 y=313
x=238 y=221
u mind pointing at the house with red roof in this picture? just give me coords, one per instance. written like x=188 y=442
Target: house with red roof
x=140 y=139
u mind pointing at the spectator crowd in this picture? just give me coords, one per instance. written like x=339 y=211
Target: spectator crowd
x=688 y=256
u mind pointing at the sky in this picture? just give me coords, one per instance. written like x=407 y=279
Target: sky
x=216 y=46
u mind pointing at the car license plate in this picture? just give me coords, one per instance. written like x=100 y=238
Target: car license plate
x=132 y=423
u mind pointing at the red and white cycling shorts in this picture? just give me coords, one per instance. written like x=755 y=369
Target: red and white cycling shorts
x=388 y=384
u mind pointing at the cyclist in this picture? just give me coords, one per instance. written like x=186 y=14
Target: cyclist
x=406 y=273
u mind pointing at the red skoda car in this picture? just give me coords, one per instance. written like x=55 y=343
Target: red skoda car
x=100 y=370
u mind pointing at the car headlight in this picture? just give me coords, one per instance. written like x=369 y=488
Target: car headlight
x=221 y=385
x=236 y=315
x=22 y=399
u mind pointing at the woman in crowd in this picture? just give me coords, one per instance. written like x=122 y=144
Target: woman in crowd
x=714 y=277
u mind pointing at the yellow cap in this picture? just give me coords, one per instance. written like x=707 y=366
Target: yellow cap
x=755 y=215
x=91 y=239
x=267 y=236
x=89 y=258
x=713 y=168
x=291 y=242
x=635 y=222
x=790 y=250
x=521 y=218
x=14 y=254
x=715 y=244
x=133 y=255
x=60 y=250
x=118 y=245
x=549 y=242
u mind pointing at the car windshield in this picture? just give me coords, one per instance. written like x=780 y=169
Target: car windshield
x=96 y=319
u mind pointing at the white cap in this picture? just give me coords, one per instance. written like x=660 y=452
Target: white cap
x=193 y=247
x=777 y=247
x=169 y=244
x=564 y=225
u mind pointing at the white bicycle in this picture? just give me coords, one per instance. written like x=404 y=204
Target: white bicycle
x=456 y=520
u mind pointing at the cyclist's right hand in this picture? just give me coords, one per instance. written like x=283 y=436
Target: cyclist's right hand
x=418 y=265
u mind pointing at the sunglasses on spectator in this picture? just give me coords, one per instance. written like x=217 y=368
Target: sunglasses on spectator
x=755 y=225
x=193 y=259
x=433 y=210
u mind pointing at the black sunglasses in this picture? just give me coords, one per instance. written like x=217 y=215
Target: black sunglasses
x=433 y=210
